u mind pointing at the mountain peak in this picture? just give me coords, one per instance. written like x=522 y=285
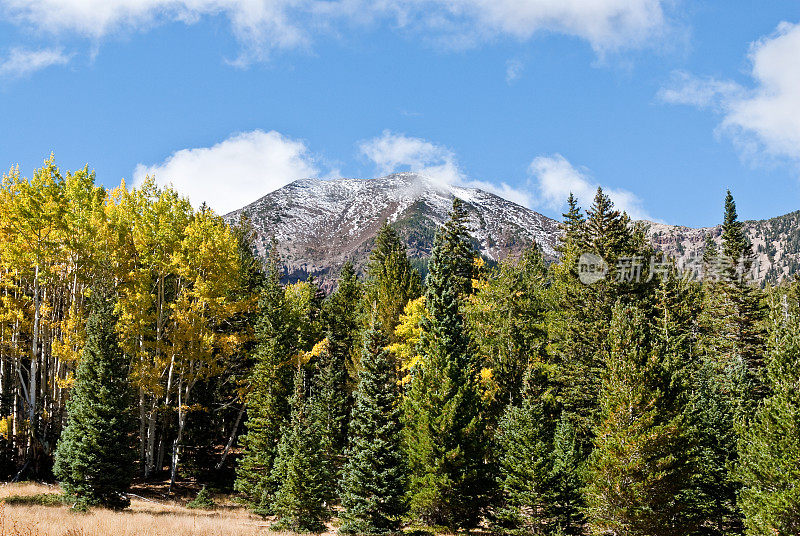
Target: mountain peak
x=321 y=224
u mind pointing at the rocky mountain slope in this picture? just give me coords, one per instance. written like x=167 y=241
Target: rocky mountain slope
x=776 y=243
x=321 y=224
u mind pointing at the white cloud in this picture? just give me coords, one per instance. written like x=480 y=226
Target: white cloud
x=514 y=70
x=555 y=178
x=699 y=92
x=234 y=172
x=605 y=24
x=765 y=117
x=261 y=25
x=392 y=152
x=22 y=62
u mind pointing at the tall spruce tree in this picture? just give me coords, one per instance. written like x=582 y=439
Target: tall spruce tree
x=270 y=383
x=95 y=456
x=581 y=316
x=342 y=315
x=445 y=432
x=637 y=472
x=573 y=229
x=539 y=476
x=607 y=231
x=374 y=476
x=302 y=468
x=391 y=280
x=743 y=313
x=769 y=465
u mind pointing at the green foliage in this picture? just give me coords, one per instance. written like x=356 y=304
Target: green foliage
x=740 y=313
x=95 y=455
x=507 y=317
x=539 y=476
x=302 y=469
x=270 y=385
x=391 y=280
x=637 y=472
x=39 y=499
x=445 y=432
x=342 y=315
x=769 y=465
x=573 y=229
x=374 y=477
x=581 y=314
x=203 y=501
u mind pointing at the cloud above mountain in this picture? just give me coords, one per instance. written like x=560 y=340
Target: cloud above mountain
x=392 y=152
x=265 y=25
x=246 y=166
x=234 y=172
x=763 y=118
x=554 y=178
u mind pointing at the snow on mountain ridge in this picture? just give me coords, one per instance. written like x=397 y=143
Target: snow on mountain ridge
x=320 y=224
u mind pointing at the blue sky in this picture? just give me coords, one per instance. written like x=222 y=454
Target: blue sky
x=664 y=103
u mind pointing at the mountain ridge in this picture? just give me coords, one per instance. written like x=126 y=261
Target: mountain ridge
x=321 y=224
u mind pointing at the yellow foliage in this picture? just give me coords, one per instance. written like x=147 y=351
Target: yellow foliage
x=488 y=384
x=5 y=426
x=409 y=331
x=320 y=348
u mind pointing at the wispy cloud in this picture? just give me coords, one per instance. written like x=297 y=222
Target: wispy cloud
x=265 y=25
x=234 y=172
x=763 y=119
x=21 y=62
x=555 y=178
x=514 y=70
x=391 y=152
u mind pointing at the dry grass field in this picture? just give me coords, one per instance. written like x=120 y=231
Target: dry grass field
x=143 y=518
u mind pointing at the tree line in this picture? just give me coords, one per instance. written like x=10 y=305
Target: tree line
x=513 y=397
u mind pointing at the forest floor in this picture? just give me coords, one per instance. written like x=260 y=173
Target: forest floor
x=24 y=512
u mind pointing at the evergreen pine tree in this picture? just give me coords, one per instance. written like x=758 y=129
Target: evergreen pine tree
x=330 y=408
x=637 y=471
x=95 y=456
x=579 y=327
x=302 y=469
x=458 y=247
x=391 y=280
x=566 y=497
x=524 y=441
x=374 y=477
x=539 y=476
x=607 y=232
x=742 y=311
x=445 y=433
x=573 y=229
x=270 y=386
x=769 y=466
x=342 y=317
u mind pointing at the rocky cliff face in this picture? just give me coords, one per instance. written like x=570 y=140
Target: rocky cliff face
x=776 y=243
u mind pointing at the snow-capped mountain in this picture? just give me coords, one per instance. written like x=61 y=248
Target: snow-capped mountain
x=321 y=224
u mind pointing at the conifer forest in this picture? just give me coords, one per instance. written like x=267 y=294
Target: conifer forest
x=144 y=340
